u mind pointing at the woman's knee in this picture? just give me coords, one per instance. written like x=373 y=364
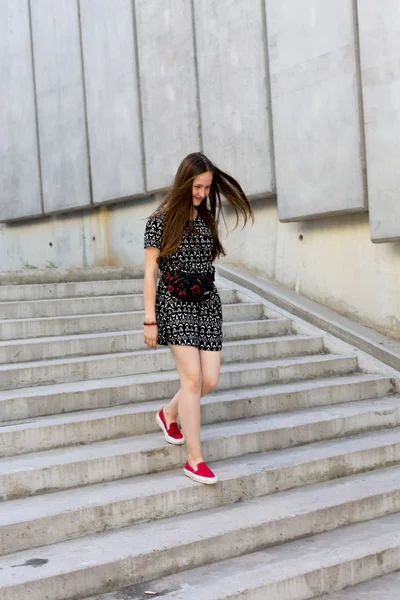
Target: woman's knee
x=210 y=382
x=192 y=383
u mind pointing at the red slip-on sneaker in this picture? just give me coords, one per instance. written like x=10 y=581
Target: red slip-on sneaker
x=202 y=474
x=172 y=434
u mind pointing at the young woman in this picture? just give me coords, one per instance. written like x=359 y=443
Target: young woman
x=184 y=312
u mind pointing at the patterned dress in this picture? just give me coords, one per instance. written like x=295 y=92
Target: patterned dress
x=186 y=323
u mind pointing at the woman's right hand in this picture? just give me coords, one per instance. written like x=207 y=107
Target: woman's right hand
x=151 y=336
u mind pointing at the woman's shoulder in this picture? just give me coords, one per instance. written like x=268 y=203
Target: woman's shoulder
x=156 y=217
x=154 y=230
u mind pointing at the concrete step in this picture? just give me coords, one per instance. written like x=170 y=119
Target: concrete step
x=146 y=361
x=74 y=466
x=53 y=399
x=147 y=551
x=298 y=570
x=78 y=289
x=100 y=393
x=15 y=329
x=17 y=351
x=135 y=419
x=382 y=588
x=57 y=516
x=84 y=306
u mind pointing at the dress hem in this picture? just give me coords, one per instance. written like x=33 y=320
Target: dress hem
x=190 y=346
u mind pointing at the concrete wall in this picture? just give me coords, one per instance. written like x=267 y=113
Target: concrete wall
x=319 y=152
x=380 y=66
x=234 y=90
x=112 y=98
x=63 y=144
x=20 y=185
x=168 y=86
x=107 y=96
x=331 y=261
x=105 y=235
x=102 y=98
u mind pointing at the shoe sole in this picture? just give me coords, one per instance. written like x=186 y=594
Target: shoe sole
x=169 y=439
x=200 y=479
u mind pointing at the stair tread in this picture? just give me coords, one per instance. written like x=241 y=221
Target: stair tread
x=111 y=334
x=285 y=562
x=238 y=512
x=140 y=407
x=383 y=588
x=163 y=375
x=70 y=299
x=106 y=295
x=96 y=315
x=143 y=486
x=151 y=441
x=105 y=357
x=146 y=538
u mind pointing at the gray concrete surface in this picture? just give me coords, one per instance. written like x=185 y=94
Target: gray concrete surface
x=72 y=275
x=379 y=50
x=387 y=588
x=152 y=549
x=54 y=399
x=234 y=93
x=302 y=569
x=303 y=431
x=63 y=370
x=60 y=104
x=51 y=518
x=63 y=468
x=112 y=99
x=318 y=150
x=19 y=160
x=168 y=86
x=13 y=351
x=92 y=425
x=78 y=324
x=82 y=306
x=381 y=347
x=43 y=291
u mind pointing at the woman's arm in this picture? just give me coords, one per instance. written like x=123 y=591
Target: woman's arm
x=151 y=255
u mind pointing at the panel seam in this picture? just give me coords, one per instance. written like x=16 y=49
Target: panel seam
x=196 y=76
x=88 y=154
x=271 y=143
x=36 y=108
x=139 y=92
x=360 y=102
x=270 y=140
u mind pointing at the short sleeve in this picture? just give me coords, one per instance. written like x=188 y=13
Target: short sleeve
x=153 y=232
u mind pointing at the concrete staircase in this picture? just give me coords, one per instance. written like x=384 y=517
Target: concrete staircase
x=305 y=440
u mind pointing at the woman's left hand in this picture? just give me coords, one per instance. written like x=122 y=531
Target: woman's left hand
x=151 y=336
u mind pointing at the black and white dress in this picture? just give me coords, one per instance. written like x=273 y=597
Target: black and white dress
x=186 y=323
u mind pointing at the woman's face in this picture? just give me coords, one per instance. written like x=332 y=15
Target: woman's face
x=201 y=187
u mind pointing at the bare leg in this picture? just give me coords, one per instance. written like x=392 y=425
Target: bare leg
x=188 y=363
x=210 y=367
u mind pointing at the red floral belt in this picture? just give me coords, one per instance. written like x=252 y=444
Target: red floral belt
x=190 y=287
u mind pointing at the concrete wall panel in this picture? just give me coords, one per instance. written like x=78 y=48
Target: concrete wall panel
x=20 y=192
x=315 y=105
x=331 y=261
x=379 y=26
x=233 y=89
x=60 y=104
x=112 y=98
x=168 y=86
